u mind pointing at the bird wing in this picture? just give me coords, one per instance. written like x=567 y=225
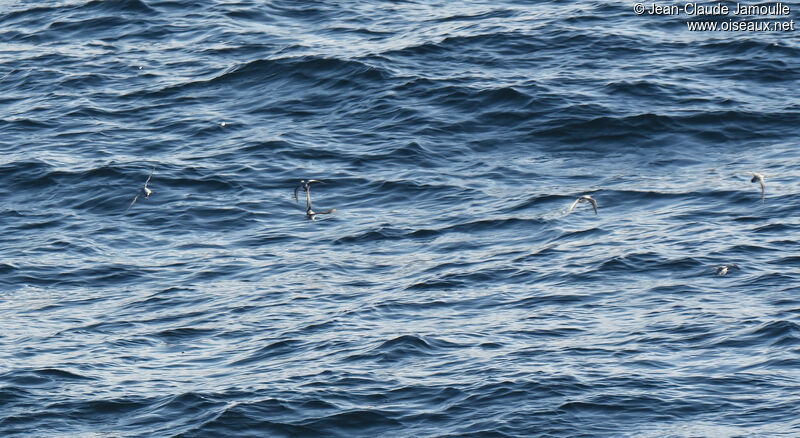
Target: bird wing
x=148 y=178
x=594 y=204
x=572 y=207
x=134 y=201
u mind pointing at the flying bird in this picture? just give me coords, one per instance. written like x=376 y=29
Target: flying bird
x=760 y=178
x=311 y=214
x=144 y=191
x=582 y=199
x=306 y=186
x=723 y=270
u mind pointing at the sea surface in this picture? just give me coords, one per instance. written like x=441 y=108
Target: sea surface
x=452 y=293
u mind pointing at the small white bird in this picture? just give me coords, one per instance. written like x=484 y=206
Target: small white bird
x=144 y=191
x=723 y=270
x=760 y=178
x=584 y=198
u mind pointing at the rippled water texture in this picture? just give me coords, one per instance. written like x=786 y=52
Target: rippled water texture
x=451 y=293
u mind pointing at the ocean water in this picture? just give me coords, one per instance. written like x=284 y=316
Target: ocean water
x=451 y=293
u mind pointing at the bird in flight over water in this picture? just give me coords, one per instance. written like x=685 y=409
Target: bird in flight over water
x=311 y=214
x=760 y=178
x=585 y=198
x=306 y=186
x=723 y=270
x=143 y=191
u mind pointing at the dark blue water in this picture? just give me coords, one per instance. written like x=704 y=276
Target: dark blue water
x=450 y=294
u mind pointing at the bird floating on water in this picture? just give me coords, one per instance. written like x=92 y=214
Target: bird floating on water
x=306 y=186
x=143 y=191
x=760 y=178
x=582 y=199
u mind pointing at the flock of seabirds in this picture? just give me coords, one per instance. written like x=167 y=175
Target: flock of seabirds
x=312 y=215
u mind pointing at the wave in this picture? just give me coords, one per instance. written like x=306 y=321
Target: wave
x=451 y=294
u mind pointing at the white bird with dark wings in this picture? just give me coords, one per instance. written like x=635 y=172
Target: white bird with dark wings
x=306 y=187
x=582 y=199
x=760 y=178
x=143 y=191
